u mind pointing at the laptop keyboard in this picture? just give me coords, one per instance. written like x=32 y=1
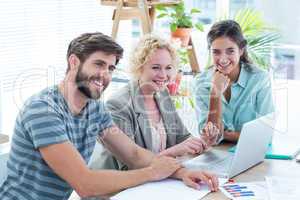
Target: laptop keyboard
x=211 y=161
x=222 y=165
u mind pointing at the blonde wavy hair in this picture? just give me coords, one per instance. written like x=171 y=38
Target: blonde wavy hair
x=145 y=48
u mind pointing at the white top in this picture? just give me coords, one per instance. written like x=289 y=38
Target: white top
x=159 y=137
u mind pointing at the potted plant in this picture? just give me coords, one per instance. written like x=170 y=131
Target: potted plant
x=260 y=36
x=181 y=21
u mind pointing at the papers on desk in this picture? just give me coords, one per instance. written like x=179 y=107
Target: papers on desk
x=283 y=188
x=165 y=189
x=245 y=191
x=274 y=188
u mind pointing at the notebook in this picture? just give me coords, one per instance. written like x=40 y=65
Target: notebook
x=283 y=147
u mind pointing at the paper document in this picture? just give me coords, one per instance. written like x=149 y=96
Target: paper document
x=246 y=191
x=283 y=188
x=165 y=189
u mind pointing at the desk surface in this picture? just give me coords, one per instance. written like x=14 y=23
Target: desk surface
x=270 y=167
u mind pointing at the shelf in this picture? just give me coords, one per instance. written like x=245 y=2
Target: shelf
x=145 y=11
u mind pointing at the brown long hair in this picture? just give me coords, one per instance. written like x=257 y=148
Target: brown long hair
x=232 y=30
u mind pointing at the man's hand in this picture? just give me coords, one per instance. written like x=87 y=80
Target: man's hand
x=163 y=167
x=191 y=145
x=194 y=179
x=220 y=82
x=211 y=134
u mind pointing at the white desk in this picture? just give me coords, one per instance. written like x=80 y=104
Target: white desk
x=282 y=168
x=270 y=167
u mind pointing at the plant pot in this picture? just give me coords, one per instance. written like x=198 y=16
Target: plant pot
x=183 y=34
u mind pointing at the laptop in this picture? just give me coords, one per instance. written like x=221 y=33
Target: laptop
x=250 y=150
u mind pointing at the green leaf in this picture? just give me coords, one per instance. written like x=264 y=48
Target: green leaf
x=195 y=10
x=185 y=22
x=173 y=15
x=173 y=27
x=161 y=15
x=160 y=8
x=251 y=21
x=179 y=9
x=199 y=27
x=178 y=16
x=178 y=105
x=183 y=56
x=191 y=101
x=260 y=47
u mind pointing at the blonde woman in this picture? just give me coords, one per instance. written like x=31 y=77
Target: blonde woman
x=144 y=110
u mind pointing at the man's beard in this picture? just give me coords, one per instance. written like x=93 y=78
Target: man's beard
x=83 y=80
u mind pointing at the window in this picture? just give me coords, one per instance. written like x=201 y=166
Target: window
x=236 y=5
x=34 y=37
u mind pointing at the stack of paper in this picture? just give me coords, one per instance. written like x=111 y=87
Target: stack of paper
x=165 y=189
x=283 y=188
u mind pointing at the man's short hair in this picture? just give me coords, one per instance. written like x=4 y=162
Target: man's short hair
x=88 y=43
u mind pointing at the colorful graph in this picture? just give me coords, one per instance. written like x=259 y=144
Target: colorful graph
x=245 y=191
x=238 y=191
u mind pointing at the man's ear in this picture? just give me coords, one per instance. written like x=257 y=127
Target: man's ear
x=74 y=62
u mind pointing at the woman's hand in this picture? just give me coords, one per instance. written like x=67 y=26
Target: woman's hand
x=192 y=145
x=195 y=179
x=220 y=82
x=211 y=134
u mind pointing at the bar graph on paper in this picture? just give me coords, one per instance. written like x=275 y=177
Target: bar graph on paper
x=245 y=191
